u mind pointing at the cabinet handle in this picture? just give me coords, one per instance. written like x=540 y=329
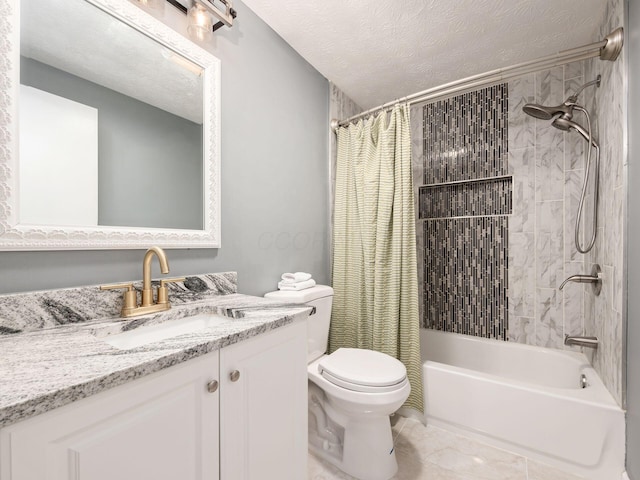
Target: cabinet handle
x=212 y=386
x=234 y=376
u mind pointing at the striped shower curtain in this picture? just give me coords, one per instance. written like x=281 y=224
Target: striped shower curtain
x=375 y=279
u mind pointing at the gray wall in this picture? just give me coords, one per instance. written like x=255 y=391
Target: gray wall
x=274 y=176
x=149 y=160
x=633 y=259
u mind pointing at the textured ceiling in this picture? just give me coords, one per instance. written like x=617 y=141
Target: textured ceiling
x=78 y=38
x=379 y=51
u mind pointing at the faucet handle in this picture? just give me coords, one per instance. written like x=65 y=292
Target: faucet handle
x=130 y=295
x=163 y=294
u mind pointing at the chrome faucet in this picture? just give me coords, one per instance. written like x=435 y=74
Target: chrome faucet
x=130 y=306
x=591 y=342
x=595 y=278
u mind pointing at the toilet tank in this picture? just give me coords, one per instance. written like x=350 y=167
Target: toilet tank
x=320 y=297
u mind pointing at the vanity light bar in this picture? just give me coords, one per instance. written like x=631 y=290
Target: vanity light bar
x=225 y=18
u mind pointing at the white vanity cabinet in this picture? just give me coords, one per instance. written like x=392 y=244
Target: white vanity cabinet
x=263 y=407
x=176 y=425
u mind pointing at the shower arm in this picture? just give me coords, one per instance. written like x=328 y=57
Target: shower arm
x=573 y=98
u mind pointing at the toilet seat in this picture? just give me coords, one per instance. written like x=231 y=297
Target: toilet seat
x=363 y=370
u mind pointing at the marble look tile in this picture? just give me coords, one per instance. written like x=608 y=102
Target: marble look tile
x=321 y=470
x=573 y=70
x=540 y=471
x=572 y=85
x=449 y=457
x=549 y=325
x=549 y=91
x=572 y=191
x=521 y=125
x=522 y=166
x=549 y=172
x=573 y=302
x=602 y=358
x=615 y=336
x=522 y=330
x=521 y=274
x=549 y=244
x=617 y=257
x=550 y=86
x=574 y=151
x=458 y=457
x=546 y=134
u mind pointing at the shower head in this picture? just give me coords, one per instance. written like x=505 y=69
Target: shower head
x=546 y=113
x=563 y=111
x=566 y=125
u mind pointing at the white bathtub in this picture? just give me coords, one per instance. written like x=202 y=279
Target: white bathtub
x=524 y=399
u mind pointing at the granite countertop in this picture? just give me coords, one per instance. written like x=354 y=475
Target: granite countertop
x=46 y=368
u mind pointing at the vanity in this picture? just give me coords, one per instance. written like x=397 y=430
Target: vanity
x=223 y=399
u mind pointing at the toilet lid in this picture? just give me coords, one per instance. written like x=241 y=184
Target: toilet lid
x=355 y=367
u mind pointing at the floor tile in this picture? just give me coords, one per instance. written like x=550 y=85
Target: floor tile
x=430 y=453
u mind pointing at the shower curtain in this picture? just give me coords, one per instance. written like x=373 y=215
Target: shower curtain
x=375 y=279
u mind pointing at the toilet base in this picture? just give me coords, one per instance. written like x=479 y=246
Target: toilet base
x=366 y=441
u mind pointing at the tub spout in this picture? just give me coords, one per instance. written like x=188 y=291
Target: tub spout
x=595 y=278
x=591 y=342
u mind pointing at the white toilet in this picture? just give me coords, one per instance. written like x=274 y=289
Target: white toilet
x=352 y=392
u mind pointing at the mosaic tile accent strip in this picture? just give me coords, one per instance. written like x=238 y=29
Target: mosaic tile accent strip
x=473 y=198
x=464 y=201
x=465 y=137
x=465 y=273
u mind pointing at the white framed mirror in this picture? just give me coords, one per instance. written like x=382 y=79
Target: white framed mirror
x=109 y=130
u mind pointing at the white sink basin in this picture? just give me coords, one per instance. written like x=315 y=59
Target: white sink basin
x=145 y=335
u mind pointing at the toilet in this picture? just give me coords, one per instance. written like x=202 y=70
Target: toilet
x=352 y=392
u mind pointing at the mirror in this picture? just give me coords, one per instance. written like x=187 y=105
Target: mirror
x=114 y=131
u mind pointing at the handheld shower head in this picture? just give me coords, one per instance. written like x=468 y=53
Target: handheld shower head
x=563 y=124
x=566 y=125
x=562 y=119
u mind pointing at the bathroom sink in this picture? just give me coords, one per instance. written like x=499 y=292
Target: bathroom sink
x=145 y=335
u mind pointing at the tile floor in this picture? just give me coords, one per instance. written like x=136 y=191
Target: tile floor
x=430 y=453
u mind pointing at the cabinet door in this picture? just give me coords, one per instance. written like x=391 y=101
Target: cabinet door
x=263 y=406
x=161 y=427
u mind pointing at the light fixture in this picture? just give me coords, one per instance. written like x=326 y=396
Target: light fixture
x=200 y=22
x=205 y=16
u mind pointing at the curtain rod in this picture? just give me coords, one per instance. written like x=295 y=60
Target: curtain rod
x=607 y=49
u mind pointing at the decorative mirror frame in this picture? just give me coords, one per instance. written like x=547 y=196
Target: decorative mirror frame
x=16 y=236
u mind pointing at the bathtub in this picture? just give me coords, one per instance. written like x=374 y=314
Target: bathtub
x=524 y=399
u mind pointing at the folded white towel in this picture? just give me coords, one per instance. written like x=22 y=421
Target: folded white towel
x=295 y=277
x=297 y=286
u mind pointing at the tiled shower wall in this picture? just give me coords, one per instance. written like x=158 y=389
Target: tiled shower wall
x=604 y=314
x=548 y=168
x=463 y=196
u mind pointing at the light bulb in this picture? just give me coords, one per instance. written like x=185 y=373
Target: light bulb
x=200 y=23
